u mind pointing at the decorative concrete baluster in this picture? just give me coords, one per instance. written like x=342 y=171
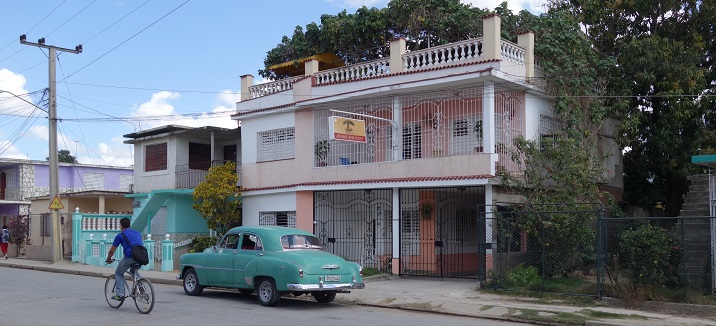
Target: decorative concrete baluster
x=94 y=252
x=88 y=250
x=103 y=249
x=167 y=254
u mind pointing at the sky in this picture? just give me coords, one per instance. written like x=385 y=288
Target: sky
x=144 y=64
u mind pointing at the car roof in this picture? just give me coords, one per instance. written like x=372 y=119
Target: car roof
x=270 y=234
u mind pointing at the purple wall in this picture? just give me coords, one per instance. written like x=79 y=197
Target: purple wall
x=11 y=209
x=73 y=176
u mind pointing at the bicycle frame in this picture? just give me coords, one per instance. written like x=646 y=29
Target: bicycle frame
x=141 y=291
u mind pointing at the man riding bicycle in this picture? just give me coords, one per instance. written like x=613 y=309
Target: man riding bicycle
x=127 y=238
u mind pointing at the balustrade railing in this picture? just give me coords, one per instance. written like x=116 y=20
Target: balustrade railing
x=272 y=87
x=363 y=70
x=443 y=55
x=188 y=176
x=512 y=52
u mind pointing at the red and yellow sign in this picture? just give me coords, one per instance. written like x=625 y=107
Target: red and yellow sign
x=56 y=203
x=347 y=129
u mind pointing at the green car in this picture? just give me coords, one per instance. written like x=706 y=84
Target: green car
x=271 y=261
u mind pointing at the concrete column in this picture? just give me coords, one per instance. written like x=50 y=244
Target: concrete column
x=101 y=204
x=488 y=122
x=526 y=40
x=167 y=254
x=246 y=82
x=491 y=37
x=397 y=134
x=397 y=49
x=395 y=263
x=77 y=240
x=310 y=67
x=149 y=244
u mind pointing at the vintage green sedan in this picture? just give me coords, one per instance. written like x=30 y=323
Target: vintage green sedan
x=271 y=261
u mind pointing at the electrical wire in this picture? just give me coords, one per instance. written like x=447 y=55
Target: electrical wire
x=69 y=19
x=125 y=41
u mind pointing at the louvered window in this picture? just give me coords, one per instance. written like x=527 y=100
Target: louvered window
x=94 y=181
x=155 y=157
x=277 y=144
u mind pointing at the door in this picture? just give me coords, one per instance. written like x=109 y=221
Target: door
x=220 y=262
x=230 y=153
x=250 y=248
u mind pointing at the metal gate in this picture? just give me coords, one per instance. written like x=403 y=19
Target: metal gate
x=356 y=225
x=440 y=232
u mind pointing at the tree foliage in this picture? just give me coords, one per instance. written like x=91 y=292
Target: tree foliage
x=217 y=198
x=64 y=156
x=664 y=57
x=365 y=34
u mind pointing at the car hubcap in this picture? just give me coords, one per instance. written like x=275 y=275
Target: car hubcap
x=190 y=282
x=265 y=291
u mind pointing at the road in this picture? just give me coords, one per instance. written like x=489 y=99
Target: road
x=29 y=297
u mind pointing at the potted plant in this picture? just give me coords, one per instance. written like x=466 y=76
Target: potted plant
x=321 y=150
x=478 y=134
x=426 y=210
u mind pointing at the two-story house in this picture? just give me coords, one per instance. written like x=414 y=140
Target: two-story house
x=24 y=189
x=388 y=161
x=169 y=162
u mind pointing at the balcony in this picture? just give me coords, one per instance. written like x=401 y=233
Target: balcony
x=188 y=176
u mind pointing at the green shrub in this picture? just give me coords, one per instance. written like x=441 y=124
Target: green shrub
x=522 y=276
x=202 y=242
x=370 y=271
x=651 y=256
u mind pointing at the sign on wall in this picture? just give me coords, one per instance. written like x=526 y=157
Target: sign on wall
x=346 y=129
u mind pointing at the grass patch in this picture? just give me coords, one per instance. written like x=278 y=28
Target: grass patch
x=546 y=298
x=488 y=307
x=370 y=271
x=566 y=318
x=609 y=315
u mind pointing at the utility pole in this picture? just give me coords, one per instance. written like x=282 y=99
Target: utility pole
x=52 y=117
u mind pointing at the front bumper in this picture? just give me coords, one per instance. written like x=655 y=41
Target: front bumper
x=323 y=286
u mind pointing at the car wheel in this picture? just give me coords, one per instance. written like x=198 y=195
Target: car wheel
x=324 y=297
x=266 y=292
x=246 y=291
x=191 y=283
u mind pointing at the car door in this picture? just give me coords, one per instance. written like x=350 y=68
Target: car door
x=220 y=261
x=251 y=248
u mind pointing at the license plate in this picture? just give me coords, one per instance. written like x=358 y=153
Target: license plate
x=333 y=278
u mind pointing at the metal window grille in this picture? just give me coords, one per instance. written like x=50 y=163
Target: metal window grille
x=277 y=144
x=93 y=181
x=410 y=231
x=466 y=135
x=155 y=157
x=509 y=124
x=548 y=127
x=412 y=142
x=279 y=218
x=45 y=225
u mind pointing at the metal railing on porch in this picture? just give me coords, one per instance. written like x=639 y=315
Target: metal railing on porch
x=188 y=176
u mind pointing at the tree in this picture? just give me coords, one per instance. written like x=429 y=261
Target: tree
x=218 y=199
x=19 y=227
x=664 y=54
x=64 y=156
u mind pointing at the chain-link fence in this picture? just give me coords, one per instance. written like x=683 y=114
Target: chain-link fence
x=576 y=249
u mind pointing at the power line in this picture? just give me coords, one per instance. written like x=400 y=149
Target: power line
x=68 y=20
x=125 y=41
x=115 y=22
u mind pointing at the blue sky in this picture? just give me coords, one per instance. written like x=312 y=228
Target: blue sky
x=144 y=64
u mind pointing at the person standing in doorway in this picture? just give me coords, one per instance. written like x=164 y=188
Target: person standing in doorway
x=4 y=240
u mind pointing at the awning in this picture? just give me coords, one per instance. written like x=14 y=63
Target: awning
x=295 y=68
x=705 y=160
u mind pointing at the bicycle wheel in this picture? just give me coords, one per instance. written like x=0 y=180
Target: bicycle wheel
x=109 y=293
x=144 y=296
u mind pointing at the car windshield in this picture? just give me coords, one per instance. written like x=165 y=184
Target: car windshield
x=300 y=241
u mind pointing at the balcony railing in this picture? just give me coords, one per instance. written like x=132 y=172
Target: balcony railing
x=188 y=176
x=272 y=87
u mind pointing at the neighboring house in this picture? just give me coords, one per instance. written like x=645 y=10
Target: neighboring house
x=169 y=162
x=429 y=131
x=24 y=183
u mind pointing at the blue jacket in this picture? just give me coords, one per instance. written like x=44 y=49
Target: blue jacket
x=134 y=237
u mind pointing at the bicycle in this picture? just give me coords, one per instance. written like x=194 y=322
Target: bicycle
x=141 y=291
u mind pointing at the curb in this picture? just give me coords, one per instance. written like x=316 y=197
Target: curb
x=86 y=273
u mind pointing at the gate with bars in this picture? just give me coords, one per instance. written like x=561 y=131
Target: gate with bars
x=441 y=234
x=356 y=225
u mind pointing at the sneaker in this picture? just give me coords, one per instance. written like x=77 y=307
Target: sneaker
x=118 y=298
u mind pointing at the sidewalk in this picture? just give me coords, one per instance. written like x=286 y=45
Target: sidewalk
x=454 y=297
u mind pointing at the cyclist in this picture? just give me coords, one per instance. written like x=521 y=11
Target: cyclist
x=133 y=238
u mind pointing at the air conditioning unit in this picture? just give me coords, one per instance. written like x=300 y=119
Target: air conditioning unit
x=131 y=187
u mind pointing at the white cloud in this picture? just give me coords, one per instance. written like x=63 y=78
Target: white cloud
x=355 y=4
x=159 y=106
x=10 y=151
x=533 y=6
x=14 y=84
x=115 y=153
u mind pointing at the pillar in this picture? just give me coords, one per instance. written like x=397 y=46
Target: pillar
x=526 y=40
x=77 y=240
x=246 y=82
x=310 y=67
x=149 y=244
x=101 y=204
x=397 y=49
x=167 y=254
x=491 y=40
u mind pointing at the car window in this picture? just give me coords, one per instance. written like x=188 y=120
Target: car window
x=300 y=241
x=251 y=242
x=230 y=241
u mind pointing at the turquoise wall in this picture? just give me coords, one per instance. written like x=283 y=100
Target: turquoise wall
x=187 y=220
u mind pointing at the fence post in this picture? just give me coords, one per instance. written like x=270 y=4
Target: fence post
x=94 y=252
x=167 y=254
x=103 y=250
x=76 y=235
x=149 y=244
